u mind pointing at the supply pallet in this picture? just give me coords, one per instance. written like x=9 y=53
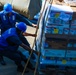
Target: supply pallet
x=57 y=40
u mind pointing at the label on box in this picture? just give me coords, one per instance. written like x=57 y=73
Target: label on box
x=57 y=15
x=64 y=61
x=56 y=31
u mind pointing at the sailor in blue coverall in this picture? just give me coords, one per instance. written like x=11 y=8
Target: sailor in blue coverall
x=9 y=43
x=8 y=19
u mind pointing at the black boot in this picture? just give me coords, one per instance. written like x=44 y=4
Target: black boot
x=21 y=68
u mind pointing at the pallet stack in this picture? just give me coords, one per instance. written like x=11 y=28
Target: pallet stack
x=59 y=37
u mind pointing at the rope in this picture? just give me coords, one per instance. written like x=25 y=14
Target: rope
x=33 y=46
x=36 y=67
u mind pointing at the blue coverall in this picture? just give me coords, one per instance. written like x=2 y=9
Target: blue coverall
x=9 y=43
x=7 y=22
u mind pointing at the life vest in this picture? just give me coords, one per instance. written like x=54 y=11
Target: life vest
x=7 y=22
x=5 y=35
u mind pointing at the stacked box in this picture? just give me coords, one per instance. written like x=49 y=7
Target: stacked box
x=58 y=19
x=59 y=40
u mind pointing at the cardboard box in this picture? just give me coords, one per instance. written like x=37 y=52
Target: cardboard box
x=62 y=14
x=59 y=15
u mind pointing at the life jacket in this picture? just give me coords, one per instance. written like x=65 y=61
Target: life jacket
x=3 y=42
x=7 y=22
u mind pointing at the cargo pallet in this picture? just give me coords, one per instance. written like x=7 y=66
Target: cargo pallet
x=58 y=57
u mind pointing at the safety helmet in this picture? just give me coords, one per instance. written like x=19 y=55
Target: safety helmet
x=21 y=26
x=7 y=8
